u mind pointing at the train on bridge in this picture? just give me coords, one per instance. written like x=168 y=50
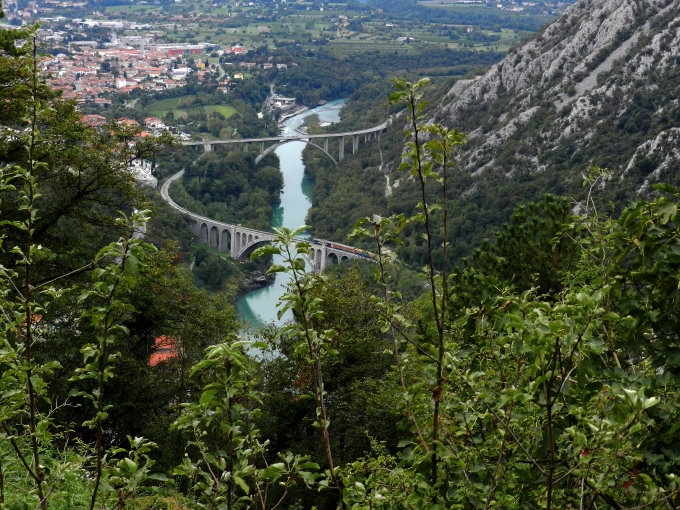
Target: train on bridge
x=343 y=247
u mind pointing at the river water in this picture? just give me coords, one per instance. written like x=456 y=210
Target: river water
x=260 y=306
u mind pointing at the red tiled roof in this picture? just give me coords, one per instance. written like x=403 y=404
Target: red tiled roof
x=164 y=348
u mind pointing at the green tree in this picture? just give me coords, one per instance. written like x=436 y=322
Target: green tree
x=143 y=397
x=359 y=386
x=532 y=249
x=551 y=389
x=428 y=159
x=110 y=308
x=30 y=286
x=213 y=271
x=226 y=465
x=305 y=332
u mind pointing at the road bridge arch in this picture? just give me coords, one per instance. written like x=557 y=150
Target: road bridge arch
x=272 y=148
x=372 y=133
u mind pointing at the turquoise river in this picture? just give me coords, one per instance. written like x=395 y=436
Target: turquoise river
x=260 y=306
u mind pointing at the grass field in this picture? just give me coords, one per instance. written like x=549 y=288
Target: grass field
x=183 y=106
x=351 y=46
x=131 y=9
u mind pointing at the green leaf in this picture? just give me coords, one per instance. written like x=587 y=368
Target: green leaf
x=242 y=484
x=160 y=477
x=668 y=211
x=128 y=466
x=274 y=471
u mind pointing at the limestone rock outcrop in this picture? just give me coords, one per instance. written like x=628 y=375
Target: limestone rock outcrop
x=598 y=86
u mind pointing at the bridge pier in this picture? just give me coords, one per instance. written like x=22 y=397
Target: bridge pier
x=207 y=147
x=341 y=149
x=355 y=144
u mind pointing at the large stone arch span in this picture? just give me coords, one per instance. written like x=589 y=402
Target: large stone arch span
x=202 y=231
x=225 y=240
x=240 y=241
x=331 y=259
x=272 y=148
x=245 y=254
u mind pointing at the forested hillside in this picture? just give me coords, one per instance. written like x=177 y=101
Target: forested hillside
x=543 y=373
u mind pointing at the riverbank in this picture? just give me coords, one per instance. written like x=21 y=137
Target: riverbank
x=256 y=280
x=292 y=113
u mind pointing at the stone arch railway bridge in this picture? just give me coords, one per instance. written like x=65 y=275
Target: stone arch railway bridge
x=240 y=241
x=269 y=144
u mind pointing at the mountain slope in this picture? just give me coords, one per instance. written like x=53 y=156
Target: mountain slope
x=599 y=86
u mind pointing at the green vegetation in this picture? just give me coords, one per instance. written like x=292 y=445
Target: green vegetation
x=80 y=309
x=186 y=107
x=542 y=373
x=548 y=387
x=260 y=24
x=225 y=186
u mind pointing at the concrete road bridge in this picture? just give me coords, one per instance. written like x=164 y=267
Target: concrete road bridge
x=240 y=241
x=267 y=145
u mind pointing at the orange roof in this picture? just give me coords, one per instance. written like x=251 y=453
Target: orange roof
x=164 y=348
x=93 y=120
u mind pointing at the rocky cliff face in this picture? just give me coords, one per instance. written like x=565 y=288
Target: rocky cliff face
x=599 y=86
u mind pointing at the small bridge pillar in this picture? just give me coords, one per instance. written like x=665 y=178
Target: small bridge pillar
x=208 y=147
x=355 y=144
x=341 y=149
x=325 y=144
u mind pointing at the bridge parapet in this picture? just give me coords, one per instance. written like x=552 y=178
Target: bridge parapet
x=314 y=140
